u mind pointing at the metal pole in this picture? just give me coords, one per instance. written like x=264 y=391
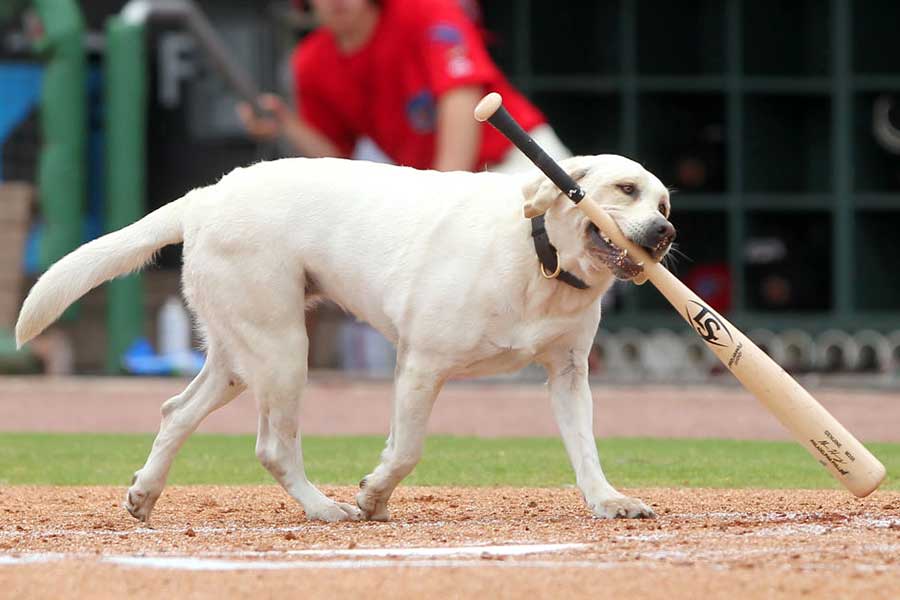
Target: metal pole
x=62 y=178
x=125 y=79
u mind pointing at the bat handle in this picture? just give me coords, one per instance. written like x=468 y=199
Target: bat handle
x=491 y=109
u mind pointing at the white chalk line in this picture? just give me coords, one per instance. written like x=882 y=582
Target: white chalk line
x=461 y=556
x=193 y=563
x=475 y=550
x=775 y=518
x=355 y=558
x=31 y=558
x=212 y=564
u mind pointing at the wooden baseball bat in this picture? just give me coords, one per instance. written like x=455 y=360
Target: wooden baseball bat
x=820 y=433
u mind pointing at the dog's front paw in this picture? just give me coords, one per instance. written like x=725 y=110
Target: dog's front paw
x=622 y=507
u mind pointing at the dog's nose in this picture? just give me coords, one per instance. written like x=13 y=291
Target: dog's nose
x=665 y=231
x=660 y=233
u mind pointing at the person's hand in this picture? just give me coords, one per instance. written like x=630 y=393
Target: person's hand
x=279 y=119
x=272 y=123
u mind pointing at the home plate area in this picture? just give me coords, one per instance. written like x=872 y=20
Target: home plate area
x=446 y=542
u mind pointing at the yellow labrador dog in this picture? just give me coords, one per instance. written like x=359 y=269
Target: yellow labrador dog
x=443 y=264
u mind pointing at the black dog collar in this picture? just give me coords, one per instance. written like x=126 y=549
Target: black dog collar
x=548 y=256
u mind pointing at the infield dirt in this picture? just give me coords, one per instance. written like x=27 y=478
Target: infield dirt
x=208 y=541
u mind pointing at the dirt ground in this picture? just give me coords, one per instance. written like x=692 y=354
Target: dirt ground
x=221 y=542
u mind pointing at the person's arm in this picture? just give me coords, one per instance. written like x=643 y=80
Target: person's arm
x=459 y=70
x=458 y=133
x=281 y=120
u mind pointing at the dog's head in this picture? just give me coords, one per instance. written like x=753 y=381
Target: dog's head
x=636 y=200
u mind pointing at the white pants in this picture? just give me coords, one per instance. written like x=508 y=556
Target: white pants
x=516 y=162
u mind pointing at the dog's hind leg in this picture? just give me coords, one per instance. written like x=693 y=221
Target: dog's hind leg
x=278 y=389
x=214 y=387
x=415 y=389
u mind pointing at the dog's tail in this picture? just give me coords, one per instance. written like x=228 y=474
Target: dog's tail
x=114 y=254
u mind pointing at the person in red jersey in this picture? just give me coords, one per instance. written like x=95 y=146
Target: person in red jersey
x=405 y=74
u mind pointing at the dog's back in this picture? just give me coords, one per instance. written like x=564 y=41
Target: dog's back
x=373 y=237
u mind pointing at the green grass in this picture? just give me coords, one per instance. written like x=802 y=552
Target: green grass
x=217 y=459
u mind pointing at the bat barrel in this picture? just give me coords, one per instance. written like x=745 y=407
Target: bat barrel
x=809 y=422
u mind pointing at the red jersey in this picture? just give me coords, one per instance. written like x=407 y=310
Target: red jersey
x=388 y=89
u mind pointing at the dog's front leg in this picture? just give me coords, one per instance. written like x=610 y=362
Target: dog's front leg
x=415 y=388
x=573 y=408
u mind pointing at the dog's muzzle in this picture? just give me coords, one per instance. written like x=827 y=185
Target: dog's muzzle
x=655 y=236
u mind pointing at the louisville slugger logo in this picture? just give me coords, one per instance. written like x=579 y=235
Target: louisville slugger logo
x=709 y=325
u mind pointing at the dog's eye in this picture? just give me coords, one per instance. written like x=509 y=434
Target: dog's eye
x=663 y=209
x=627 y=188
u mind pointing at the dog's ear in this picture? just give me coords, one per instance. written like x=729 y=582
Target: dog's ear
x=540 y=193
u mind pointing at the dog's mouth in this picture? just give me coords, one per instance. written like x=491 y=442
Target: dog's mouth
x=614 y=258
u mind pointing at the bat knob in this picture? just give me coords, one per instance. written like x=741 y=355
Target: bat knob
x=488 y=106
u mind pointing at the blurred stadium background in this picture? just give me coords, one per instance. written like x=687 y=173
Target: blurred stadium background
x=776 y=122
